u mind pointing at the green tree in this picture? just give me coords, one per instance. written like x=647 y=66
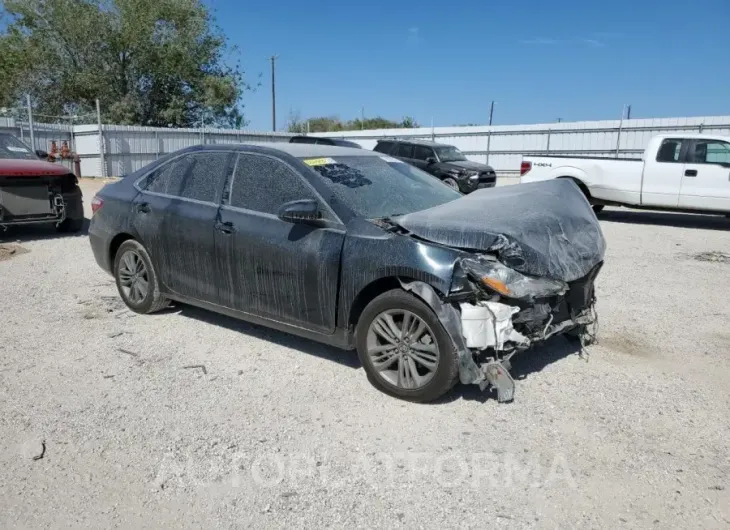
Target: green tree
x=334 y=124
x=155 y=62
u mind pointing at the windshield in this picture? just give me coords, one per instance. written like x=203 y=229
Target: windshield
x=380 y=186
x=449 y=153
x=11 y=147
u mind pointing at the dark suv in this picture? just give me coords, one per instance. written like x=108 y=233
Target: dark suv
x=323 y=141
x=443 y=161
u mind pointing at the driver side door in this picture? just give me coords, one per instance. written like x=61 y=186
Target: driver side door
x=276 y=269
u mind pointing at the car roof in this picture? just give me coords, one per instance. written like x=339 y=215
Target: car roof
x=296 y=150
x=413 y=141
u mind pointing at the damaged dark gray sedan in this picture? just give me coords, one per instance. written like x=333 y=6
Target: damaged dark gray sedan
x=358 y=250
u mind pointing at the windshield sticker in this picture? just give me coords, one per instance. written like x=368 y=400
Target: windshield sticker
x=15 y=149
x=390 y=160
x=319 y=161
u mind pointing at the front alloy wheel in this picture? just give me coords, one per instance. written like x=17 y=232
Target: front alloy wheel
x=402 y=349
x=405 y=349
x=451 y=183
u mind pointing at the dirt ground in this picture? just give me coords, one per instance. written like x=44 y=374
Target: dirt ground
x=189 y=419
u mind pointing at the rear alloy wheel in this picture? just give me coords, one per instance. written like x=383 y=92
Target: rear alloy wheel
x=136 y=279
x=404 y=348
x=451 y=183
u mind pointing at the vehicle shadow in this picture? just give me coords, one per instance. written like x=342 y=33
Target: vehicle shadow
x=24 y=233
x=310 y=347
x=524 y=364
x=679 y=220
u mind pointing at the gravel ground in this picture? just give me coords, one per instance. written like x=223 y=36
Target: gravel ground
x=188 y=419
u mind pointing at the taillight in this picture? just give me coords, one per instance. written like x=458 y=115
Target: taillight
x=96 y=204
x=525 y=167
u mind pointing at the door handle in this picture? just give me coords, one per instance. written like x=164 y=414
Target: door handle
x=226 y=228
x=143 y=207
x=690 y=173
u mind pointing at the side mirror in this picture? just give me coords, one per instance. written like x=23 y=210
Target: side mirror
x=430 y=160
x=304 y=211
x=40 y=153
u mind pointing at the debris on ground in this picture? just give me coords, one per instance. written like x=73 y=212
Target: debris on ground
x=8 y=250
x=713 y=257
x=194 y=366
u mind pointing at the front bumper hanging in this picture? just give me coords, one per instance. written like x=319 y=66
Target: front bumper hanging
x=494 y=332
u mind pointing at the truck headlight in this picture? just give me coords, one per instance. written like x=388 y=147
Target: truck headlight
x=510 y=283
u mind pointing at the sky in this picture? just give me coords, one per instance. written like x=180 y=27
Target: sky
x=446 y=61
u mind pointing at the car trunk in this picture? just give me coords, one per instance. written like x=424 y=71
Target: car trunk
x=544 y=229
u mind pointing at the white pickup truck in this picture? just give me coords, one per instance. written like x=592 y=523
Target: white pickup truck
x=688 y=172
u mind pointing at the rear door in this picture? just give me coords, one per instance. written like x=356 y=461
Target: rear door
x=662 y=177
x=175 y=214
x=275 y=269
x=403 y=152
x=421 y=153
x=706 y=178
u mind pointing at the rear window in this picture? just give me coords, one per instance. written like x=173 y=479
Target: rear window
x=380 y=186
x=303 y=140
x=383 y=147
x=11 y=147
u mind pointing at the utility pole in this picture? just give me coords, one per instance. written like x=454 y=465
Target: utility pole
x=273 y=59
x=30 y=122
x=560 y=119
x=628 y=112
x=491 y=112
x=362 y=118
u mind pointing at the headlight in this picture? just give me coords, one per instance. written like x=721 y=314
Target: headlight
x=510 y=283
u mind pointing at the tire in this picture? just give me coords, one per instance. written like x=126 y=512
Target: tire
x=438 y=381
x=597 y=208
x=451 y=183
x=71 y=226
x=132 y=252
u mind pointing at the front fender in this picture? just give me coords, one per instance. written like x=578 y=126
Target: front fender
x=371 y=255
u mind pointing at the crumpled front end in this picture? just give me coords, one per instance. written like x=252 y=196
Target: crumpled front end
x=490 y=320
x=530 y=257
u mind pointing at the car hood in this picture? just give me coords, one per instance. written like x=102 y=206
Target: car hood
x=468 y=164
x=544 y=229
x=10 y=167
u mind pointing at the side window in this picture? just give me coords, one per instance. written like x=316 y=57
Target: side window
x=206 y=177
x=168 y=178
x=263 y=184
x=669 y=151
x=383 y=147
x=711 y=152
x=421 y=152
x=404 y=151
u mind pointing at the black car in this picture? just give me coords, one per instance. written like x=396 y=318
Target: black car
x=358 y=250
x=443 y=161
x=323 y=141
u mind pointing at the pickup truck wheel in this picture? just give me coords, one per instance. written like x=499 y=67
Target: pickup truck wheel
x=404 y=349
x=451 y=183
x=136 y=279
x=598 y=208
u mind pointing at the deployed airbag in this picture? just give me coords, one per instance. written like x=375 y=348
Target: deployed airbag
x=544 y=229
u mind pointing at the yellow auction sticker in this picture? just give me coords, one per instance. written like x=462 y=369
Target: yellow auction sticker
x=319 y=161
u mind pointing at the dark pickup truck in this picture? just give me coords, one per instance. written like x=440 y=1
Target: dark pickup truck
x=33 y=191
